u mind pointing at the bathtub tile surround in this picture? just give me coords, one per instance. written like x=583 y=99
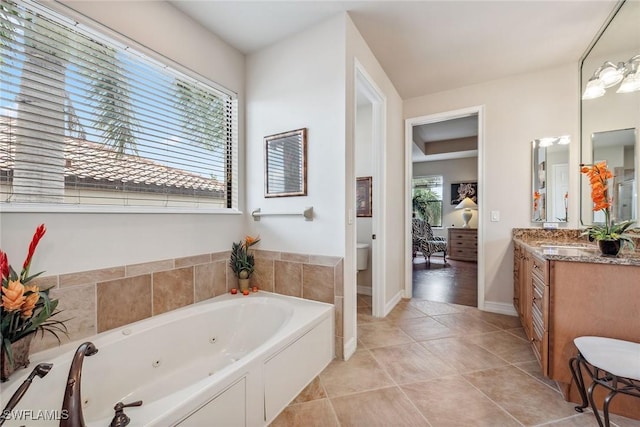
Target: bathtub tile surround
x=317 y=283
x=122 y=301
x=172 y=289
x=288 y=278
x=99 y=300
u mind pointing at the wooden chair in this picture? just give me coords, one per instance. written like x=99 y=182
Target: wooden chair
x=425 y=242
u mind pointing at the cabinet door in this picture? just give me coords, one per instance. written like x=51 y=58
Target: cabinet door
x=526 y=283
x=517 y=272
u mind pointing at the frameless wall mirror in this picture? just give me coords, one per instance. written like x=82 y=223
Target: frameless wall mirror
x=610 y=111
x=286 y=164
x=617 y=149
x=550 y=179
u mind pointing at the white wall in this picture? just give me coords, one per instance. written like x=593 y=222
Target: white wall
x=79 y=241
x=517 y=110
x=298 y=83
x=452 y=171
x=392 y=180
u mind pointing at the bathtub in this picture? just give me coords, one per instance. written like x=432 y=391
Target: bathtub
x=232 y=360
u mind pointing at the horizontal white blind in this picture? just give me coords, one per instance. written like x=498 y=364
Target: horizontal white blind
x=86 y=120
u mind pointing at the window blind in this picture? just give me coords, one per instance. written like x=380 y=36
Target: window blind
x=86 y=120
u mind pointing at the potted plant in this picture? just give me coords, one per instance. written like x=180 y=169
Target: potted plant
x=610 y=236
x=24 y=310
x=242 y=262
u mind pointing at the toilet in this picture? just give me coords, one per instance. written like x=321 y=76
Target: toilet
x=362 y=256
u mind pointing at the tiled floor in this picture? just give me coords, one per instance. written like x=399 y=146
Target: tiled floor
x=436 y=364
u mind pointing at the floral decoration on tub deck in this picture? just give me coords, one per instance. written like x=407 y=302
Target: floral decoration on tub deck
x=25 y=309
x=242 y=262
x=599 y=176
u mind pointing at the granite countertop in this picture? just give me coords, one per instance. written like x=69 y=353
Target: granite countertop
x=570 y=247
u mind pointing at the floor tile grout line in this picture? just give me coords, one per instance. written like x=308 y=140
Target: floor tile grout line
x=535 y=378
x=493 y=401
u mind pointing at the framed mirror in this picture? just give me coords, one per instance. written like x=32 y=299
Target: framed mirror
x=286 y=164
x=610 y=112
x=550 y=179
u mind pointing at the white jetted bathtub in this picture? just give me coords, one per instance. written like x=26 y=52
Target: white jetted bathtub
x=233 y=360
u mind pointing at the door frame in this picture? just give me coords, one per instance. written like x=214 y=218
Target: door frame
x=435 y=118
x=366 y=86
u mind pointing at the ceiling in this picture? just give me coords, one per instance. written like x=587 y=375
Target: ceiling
x=425 y=46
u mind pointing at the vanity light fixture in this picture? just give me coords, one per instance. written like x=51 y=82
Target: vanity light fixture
x=610 y=74
x=548 y=142
x=631 y=82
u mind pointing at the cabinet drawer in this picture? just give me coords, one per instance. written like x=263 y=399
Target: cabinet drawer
x=464 y=236
x=538 y=301
x=463 y=253
x=464 y=243
x=539 y=268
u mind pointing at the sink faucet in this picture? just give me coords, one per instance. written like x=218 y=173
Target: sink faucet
x=72 y=404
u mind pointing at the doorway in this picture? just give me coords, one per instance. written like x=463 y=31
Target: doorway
x=444 y=150
x=369 y=170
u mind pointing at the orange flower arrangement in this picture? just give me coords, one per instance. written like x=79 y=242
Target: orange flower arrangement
x=599 y=176
x=242 y=262
x=25 y=309
x=536 y=197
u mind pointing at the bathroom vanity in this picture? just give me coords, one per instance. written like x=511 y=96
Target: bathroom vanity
x=563 y=289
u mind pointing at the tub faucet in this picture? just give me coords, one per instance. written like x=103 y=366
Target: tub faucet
x=40 y=371
x=72 y=403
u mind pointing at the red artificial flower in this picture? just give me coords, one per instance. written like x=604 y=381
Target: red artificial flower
x=34 y=243
x=4 y=265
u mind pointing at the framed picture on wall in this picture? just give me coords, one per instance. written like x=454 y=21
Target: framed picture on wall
x=464 y=189
x=363 y=196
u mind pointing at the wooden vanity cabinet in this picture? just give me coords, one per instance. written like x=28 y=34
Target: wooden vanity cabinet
x=539 y=294
x=558 y=301
x=531 y=300
x=522 y=273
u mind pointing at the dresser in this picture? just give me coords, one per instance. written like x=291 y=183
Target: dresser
x=463 y=244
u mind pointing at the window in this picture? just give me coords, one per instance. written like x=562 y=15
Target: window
x=427 y=199
x=86 y=120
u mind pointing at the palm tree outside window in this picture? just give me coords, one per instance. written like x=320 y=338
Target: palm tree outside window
x=427 y=199
x=85 y=119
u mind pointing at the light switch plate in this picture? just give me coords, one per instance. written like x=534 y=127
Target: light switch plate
x=495 y=216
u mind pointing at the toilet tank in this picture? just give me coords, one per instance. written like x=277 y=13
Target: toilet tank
x=362 y=256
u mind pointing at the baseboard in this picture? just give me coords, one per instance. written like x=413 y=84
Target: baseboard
x=393 y=302
x=349 y=348
x=500 y=308
x=365 y=290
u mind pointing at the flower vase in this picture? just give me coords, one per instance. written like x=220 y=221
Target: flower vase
x=609 y=247
x=20 y=352
x=243 y=284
